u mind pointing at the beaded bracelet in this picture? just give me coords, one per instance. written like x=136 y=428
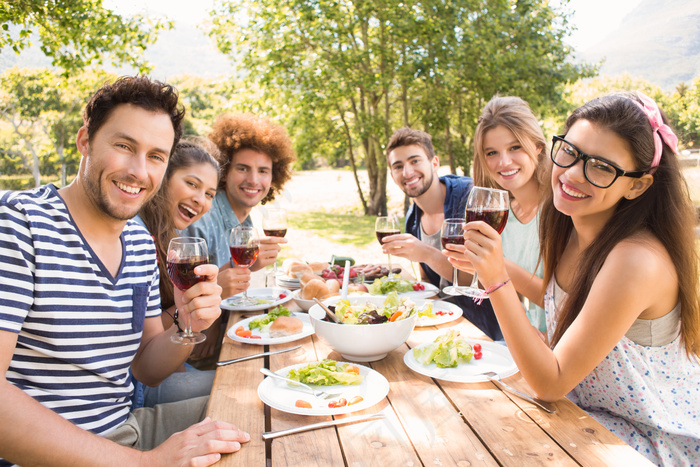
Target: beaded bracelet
x=493 y=288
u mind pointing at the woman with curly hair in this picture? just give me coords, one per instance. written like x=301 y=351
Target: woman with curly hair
x=256 y=159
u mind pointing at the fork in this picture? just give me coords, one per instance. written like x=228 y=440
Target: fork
x=316 y=393
x=546 y=406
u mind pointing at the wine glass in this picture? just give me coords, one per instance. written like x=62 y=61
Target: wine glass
x=185 y=254
x=491 y=206
x=385 y=226
x=452 y=232
x=244 y=245
x=274 y=225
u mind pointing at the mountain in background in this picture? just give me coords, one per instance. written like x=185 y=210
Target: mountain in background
x=658 y=41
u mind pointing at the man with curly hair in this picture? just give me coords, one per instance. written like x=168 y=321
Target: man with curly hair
x=256 y=161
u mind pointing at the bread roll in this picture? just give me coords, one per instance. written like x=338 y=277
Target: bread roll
x=315 y=288
x=285 y=326
x=333 y=286
x=288 y=263
x=318 y=268
x=299 y=269
x=309 y=276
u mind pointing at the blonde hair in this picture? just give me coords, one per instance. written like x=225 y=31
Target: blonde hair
x=515 y=114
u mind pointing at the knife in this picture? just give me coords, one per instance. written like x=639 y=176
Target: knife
x=250 y=357
x=315 y=426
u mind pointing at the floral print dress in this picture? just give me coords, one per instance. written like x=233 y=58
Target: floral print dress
x=648 y=396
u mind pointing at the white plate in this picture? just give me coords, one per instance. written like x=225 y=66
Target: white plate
x=446 y=318
x=270 y=294
x=265 y=338
x=495 y=358
x=278 y=395
x=430 y=291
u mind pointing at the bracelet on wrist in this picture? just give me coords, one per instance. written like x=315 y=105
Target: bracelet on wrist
x=493 y=288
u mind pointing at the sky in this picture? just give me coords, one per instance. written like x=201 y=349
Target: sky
x=593 y=18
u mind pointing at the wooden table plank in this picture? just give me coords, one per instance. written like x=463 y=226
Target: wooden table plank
x=234 y=399
x=436 y=430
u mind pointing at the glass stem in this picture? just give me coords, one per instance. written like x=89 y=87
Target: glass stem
x=475 y=282
x=454 y=277
x=389 y=257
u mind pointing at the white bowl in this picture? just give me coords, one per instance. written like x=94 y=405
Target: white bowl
x=361 y=342
x=303 y=304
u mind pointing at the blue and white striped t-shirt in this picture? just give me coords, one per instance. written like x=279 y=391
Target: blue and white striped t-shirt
x=78 y=327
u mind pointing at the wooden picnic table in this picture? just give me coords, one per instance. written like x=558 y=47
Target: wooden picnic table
x=427 y=421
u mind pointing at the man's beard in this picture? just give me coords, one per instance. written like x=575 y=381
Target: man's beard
x=420 y=191
x=96 y=194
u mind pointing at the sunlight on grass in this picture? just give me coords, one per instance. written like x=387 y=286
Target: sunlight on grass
x=346 y=229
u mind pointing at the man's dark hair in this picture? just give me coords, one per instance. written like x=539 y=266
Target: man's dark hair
x=409 y=137
x=140 y=91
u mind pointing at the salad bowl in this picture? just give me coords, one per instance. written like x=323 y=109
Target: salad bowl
x=361 y=342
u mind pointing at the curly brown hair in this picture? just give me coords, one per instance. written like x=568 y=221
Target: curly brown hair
x=234 y=132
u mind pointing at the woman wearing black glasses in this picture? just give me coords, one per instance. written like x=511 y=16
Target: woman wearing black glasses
x=621 y=280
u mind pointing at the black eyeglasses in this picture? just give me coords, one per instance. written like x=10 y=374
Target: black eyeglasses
x=597 y=171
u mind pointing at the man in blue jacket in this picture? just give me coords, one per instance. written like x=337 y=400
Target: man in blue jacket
x=414 y=168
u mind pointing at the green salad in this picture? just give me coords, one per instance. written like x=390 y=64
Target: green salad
x=326 y=373
x=394 y=308
x=383 y=286
x=265 y=321
x=447 y=351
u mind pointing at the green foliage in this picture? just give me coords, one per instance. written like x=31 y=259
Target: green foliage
x=40 y=114
x=78 y=33
x=345 y=229
x=351 y=71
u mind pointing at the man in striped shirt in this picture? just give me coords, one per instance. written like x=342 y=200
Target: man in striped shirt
x=80 y=307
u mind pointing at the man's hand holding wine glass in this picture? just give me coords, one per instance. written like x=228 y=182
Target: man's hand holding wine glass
x=202 y=301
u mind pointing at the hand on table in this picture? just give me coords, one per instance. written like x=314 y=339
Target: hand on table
x=199 y=445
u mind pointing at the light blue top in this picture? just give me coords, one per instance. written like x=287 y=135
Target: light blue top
x=215 y=227
x=521 y=244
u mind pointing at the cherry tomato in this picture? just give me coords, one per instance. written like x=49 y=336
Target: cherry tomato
x=352 y=370
x=355 y=400
x=476 y=347
x=255 y=337
x=477 y=355
x=342 y=402
x=283 y=295
x=302 y=404
x=332 y=404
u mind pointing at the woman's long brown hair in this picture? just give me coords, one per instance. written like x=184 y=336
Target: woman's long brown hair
x=664 y=209
x=156 y=213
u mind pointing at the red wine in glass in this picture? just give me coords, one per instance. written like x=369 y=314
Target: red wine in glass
x=275 y=232
x=452 y=239
x=182 y=272
x=496 y=218
x=244 y=255
x=385 y=233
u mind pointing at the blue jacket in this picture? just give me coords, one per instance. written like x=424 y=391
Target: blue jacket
x=456 y=194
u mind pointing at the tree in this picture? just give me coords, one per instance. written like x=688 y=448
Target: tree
x=44 y=113
x=370 y=67
x=78 y=33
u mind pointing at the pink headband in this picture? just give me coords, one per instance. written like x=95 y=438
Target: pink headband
x=658 y=127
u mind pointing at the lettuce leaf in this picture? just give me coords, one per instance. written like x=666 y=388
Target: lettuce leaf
x=447 y=351
x=265 y=321
x=325 y=373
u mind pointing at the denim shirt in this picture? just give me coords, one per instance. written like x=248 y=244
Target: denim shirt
x=215 y=227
